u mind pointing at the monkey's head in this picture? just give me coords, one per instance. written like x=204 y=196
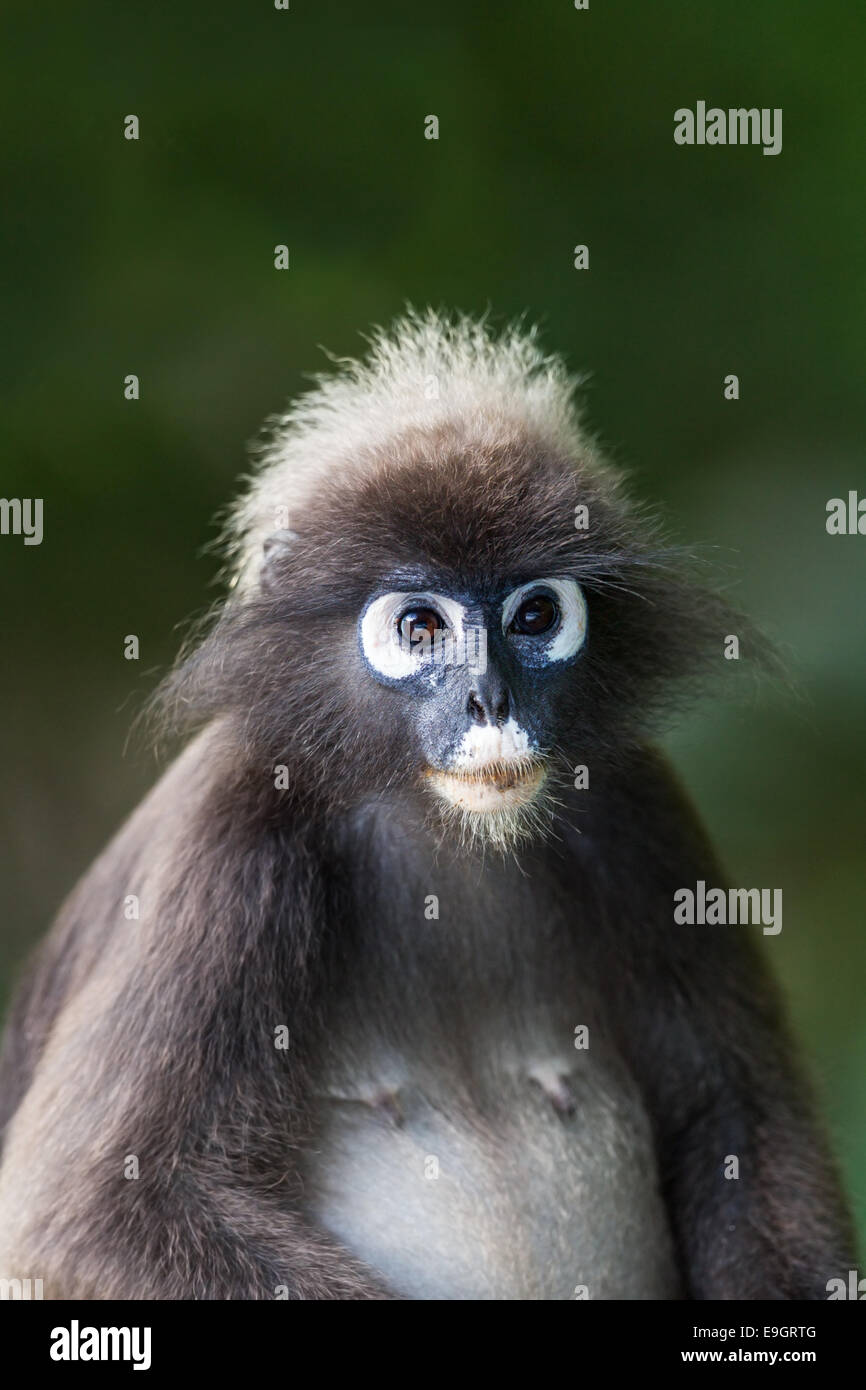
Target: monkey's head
x=439 y=586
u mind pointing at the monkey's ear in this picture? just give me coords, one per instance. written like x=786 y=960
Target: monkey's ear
x=274 y=550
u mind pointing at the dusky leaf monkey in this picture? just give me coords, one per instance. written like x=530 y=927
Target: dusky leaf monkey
x=406 y=1012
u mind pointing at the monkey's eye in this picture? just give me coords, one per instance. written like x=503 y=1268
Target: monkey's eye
x=535 y=616
x=419 y=625
x=551 y=613
x=406 y=635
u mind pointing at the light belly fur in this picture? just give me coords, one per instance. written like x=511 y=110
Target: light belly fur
x=542 y=1186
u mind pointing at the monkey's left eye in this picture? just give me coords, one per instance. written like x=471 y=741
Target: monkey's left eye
x=550 y=610
x=416 y=624
x=535 y=616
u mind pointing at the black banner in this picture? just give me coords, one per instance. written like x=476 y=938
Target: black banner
x=66 y=1339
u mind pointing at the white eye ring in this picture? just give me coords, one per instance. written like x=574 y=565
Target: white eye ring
x=380 y=633
x=569 y=636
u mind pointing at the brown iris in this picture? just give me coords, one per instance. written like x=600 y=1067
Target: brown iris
x=535 y=616
x=416 y=622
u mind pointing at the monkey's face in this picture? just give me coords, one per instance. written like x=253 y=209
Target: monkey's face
x=481 y=675
x=439 y=621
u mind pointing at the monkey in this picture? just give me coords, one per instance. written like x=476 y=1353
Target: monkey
x=405 y=1012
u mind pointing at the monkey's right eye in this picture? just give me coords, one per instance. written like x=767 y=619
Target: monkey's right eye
x=419 y=625
x=404 y=635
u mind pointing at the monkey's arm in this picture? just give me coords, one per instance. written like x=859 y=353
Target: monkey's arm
x=754 y=1198
x=153 y=1153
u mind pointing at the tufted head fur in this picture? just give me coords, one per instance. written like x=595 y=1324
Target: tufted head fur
x=429 y=374
x=453 y=460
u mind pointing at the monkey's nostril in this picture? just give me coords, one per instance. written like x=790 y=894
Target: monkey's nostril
x=481 y=710
x=475 y=709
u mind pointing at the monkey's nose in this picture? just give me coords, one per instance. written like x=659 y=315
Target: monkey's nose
x=489 y=704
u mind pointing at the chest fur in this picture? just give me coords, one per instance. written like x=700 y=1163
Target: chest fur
x=463 y=1145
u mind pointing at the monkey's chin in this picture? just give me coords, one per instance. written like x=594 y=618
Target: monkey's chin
x=498 y=806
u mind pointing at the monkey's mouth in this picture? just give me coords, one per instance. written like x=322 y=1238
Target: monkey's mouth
x=494 y=786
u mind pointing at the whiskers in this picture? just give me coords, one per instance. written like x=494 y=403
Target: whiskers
x=500 y=829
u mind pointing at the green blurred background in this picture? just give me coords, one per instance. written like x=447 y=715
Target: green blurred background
x=306 y=127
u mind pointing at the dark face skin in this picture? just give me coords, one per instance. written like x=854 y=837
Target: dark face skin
x=479 y=675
